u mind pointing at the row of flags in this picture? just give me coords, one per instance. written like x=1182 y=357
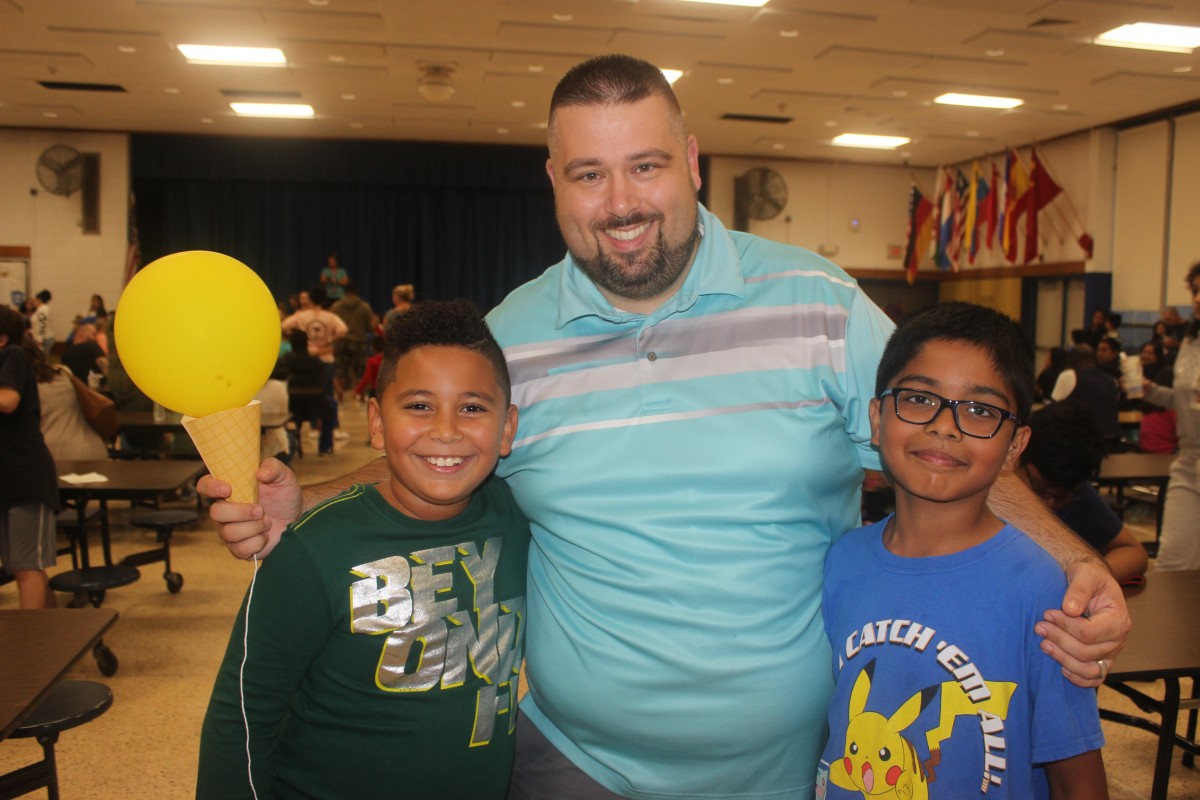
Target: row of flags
x=986 y=209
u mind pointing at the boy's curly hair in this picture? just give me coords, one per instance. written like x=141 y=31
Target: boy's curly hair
x=441 y=323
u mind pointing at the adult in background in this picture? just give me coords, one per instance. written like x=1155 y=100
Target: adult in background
x=28 y=481
x=1108 y=357
x=402 y=299
x=41 y=322
x=323 y=328
x=1096 y=390
x=65 y=429
x=1180 y=544
x=693 y=437
x=1056 y=362
x=333 y=279
x=1062 y=458
x=350 y=350
x=85 y=355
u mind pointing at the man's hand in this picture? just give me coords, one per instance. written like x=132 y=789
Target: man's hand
x=1092 y=625
x=249 y=528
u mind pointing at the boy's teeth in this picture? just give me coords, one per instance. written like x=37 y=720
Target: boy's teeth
x=444 y=462
x=626 y=236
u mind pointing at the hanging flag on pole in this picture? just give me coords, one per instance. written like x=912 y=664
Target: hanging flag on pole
x=988 y=206
x=945 y=222
x=133 y=251
x=978 y=193
x=1042 y=191
x=920 y=218
x=1016 y=180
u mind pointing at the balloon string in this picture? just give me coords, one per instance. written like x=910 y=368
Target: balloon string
x=242 y=676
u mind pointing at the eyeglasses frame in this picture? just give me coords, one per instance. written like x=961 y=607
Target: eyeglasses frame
x=944 y=403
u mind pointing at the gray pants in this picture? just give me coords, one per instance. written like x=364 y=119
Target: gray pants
x=541 y=772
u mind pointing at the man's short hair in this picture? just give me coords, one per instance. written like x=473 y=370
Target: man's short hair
x=441 y=323
x=995 y=334
x=1065 y=444
x=44 y=295
x=613 y=79
x=317 y=295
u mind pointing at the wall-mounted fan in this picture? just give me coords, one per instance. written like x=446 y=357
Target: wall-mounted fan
x=759 y=194
x=60 y=169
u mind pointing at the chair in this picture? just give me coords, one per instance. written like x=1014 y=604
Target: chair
x=68 y=705
x=164 y=524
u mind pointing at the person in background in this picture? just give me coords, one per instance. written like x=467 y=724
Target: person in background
x=333 y=280
x=682 y=497
x=28 y=481
x=275 y=442
x=402 y=300
x=85 y=355
x=1112 y=327
x=1108 y=357
x=1180 y=544
x=310 y=388
x=1156 y=430
x=41 y=322
x=1099 y=327
x=1056 y=362
x=323 y=328
x=366 y=387
x=350 y=350
x=1063 y=457
x=65 y=429
x=1097 y=391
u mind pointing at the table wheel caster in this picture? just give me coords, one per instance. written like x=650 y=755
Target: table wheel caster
x=174 y=582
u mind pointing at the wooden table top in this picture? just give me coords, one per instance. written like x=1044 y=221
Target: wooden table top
x=39 y=647
x=1162 y=642
x=1135 y=466
x=144 y=420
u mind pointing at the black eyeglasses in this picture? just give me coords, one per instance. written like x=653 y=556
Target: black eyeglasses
x=919 y=407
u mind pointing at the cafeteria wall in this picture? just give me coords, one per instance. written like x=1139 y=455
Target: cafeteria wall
x=72 y=264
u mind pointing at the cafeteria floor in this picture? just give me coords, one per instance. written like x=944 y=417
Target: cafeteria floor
x=169 y=647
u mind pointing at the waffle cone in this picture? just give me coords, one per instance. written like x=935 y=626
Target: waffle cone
x=228 y=442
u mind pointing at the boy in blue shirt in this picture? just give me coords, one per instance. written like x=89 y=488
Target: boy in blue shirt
x=942 y=689
x=383 y=641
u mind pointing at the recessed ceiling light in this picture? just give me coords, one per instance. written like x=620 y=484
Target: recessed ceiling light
x=1152 y=36
x=672 y=75
x=977 y=100
x=724 y=81
x=318 y=2
x=349 y=97
x=777 y=146
x=1060 y=106
x=789 y=34
x=870 y=140
x=994 y=52
x=972 y=134
x=171 y=90
x=563 y=17
x=899 y=93
x=206 y=120
x=535 y=68
x=278 y=110
x=50 y=114
x=338 y=59
x=745 y=3
x=501 y=130
x=233 y=56
x=1184 y=68
x=356 y=125
x=831 y=123
x=518 y=103
x=127 y=49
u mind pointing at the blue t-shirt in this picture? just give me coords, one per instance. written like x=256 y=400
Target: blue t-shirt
x=940 y=677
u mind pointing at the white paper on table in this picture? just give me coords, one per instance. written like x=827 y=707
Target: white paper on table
x=87 y=477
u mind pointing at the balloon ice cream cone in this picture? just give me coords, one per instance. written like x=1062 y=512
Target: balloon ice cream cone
x=228 y=442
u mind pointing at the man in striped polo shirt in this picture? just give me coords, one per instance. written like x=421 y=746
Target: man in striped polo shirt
x=693 y=433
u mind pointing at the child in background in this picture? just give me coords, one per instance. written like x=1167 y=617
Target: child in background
x=385 y=634
x=941 y=688
x=367 y=386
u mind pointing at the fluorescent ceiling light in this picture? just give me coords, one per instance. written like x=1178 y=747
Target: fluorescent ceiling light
x=233 y=56
x=672 y=75
x=870 y=140
x=1152 y=36
x=747 y=3
x=977 y=100
x=281 y=110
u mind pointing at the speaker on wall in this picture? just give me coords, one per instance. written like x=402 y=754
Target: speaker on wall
x=91 y=192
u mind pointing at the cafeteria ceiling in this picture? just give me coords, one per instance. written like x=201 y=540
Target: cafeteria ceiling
x=778 y=81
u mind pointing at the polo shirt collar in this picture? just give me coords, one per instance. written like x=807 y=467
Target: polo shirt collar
x=716 y=269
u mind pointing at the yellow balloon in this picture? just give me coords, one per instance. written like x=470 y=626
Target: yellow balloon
x=198 y=332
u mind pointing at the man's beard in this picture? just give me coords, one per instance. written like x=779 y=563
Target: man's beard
x=643 y=275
